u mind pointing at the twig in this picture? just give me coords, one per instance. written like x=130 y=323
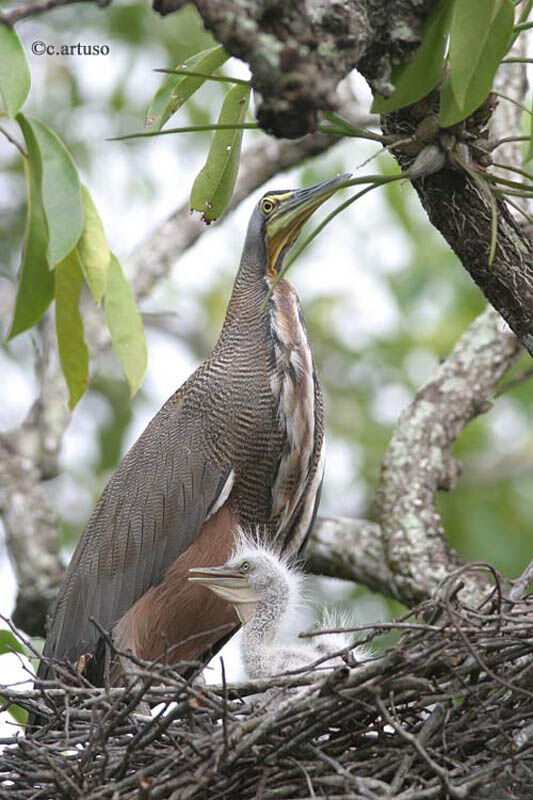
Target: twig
x=11 y=139
x=521 y=584
x=508 y=385
x=459 y=792
x=41 y=7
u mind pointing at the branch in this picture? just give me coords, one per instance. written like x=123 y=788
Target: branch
x=10 y=18
x=461 y=211
x=31 y=539
x=521 y=584
x=406 y=556
x=352 y=549
x=13 y=141
x=298 y=57
x=419 y=461
x=28 y=457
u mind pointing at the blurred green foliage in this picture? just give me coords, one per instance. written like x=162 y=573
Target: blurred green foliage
x=489 y=516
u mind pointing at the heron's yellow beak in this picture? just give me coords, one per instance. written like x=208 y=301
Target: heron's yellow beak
x=292 y=210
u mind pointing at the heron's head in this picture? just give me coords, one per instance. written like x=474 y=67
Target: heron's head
x=252 y=574
x=278 y=219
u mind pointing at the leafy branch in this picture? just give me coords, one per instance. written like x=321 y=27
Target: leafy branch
x=64 y=244
x=463 y=43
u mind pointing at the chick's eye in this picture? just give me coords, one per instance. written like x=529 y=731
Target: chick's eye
x=245 y=566
x=267 y=206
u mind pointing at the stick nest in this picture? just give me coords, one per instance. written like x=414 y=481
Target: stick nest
x=446 y=713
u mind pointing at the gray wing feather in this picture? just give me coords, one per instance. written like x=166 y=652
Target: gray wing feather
x=151 y=510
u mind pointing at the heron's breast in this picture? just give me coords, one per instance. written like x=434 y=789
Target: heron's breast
x=292 y=383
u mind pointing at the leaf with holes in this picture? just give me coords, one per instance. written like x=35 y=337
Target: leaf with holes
x=14 y=73
x=93 y=249
x=480 y=35
x=418 y=77
x=61 y=192
x=36 y=282
x=73 y=353
x=176 y=89
x=213 y=188
x=125 y=325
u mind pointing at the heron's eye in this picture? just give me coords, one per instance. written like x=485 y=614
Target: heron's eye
x=245 y=566
x=267 y=206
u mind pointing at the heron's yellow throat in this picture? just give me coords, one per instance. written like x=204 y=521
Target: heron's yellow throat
x=287 y=213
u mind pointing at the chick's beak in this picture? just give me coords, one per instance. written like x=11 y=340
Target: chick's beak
x=226 y=583
x=294 y=209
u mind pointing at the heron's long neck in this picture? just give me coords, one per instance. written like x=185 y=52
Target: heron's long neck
x=246 y=304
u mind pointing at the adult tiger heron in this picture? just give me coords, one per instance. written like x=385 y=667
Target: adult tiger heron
x=240 y=444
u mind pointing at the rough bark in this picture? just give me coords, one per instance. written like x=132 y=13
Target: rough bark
x=31 y=529
x=419 y=461
x=299 y=51
x=29 y=456
x=352 y=549
x=461 y=211
x=405 y=555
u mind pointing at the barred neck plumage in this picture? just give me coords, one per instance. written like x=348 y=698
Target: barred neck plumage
x=249 y=290
x=268 y=342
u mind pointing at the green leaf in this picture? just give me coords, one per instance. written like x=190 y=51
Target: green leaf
x=176 y=89
x=449 y=109
x=480 y=35
x=18 y=713
x=61 y=191
x=14 y=72
x=73 y=353
x=9 y=643
x=213 y=188
x=415 y=79
x=93 y=249
x=125 y=325
x=36 y=282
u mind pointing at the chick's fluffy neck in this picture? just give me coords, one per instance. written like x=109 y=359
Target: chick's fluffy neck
x=260 y=632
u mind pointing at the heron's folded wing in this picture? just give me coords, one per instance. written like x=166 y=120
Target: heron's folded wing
x=151 y=510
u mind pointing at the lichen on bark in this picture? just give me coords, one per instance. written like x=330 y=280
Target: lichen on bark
x=298 y=52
